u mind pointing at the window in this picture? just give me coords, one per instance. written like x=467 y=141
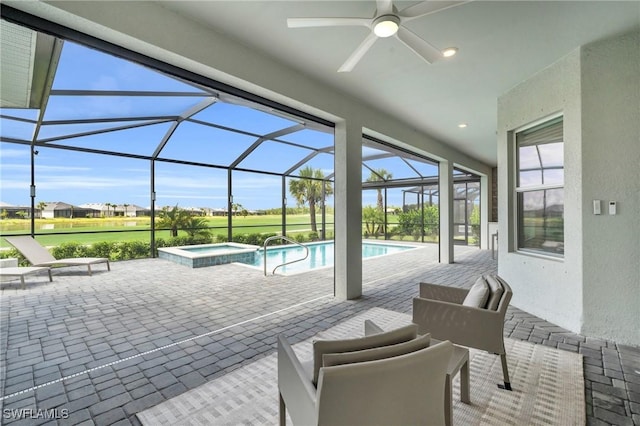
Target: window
x=540 y=188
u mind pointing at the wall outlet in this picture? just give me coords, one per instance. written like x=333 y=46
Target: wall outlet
x=612 y=207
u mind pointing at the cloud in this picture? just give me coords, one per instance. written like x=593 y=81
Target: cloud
x=62 y=182
x=183 y=182
x=14 y=184
x=211 y=183
x=189 y=197
x=44 y=168
x=13 y=153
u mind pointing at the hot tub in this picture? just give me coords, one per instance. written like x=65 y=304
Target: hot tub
x=202 y=255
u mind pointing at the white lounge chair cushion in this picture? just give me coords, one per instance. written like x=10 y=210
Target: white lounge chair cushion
x=478 y=294
x=382 y=352
x=321 y=347
x=496 y=292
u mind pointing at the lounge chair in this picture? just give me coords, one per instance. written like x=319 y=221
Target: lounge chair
x=37 y=255
x=21 y=272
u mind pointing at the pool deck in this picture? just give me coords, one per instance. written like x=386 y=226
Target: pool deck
x=108 y=346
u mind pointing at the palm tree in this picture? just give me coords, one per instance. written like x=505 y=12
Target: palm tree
x=174 y=219
x=108 y=205
x=125 y=208
x=308 y=190
x=379 y=175
x=197 y=227
x=41 y=205
x=235 y=207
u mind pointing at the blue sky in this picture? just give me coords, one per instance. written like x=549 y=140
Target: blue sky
x=79 y=178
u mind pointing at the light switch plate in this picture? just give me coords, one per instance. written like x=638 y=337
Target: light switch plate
x=612 y=207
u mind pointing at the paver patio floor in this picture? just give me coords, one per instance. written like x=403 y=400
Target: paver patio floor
x=100 y=349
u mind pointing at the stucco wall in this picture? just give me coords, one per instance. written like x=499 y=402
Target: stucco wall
x=595 y=289
x=610 y=75
x=547 y=287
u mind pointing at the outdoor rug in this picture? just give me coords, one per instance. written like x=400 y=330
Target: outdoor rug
x=548 y=386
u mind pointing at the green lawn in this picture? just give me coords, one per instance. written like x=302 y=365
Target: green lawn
x=88 y=231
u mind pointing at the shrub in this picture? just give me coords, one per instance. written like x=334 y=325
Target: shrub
x=131 y=250
x=102 y=249
x=5 y=254
x=254 y=239
x=301 y=238
x=70 y=250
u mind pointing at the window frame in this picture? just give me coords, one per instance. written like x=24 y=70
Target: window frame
x=518 y=189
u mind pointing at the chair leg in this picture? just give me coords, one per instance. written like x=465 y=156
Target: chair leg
x=505 y=373
x=282 y=411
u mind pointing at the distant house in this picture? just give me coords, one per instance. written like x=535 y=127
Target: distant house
x=110 y=210
x=9 y=211
x=131 y=210
x=59 y=209
x=216 y=212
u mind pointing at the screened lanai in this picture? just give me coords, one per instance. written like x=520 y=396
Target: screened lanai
x=85 y=129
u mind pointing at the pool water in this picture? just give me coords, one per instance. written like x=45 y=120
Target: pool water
x=320 y=255
x=210 y=249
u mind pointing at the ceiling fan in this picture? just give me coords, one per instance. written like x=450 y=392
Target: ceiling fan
x=386 y=22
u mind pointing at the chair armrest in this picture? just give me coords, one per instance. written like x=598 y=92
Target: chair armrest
x=371 y=327
x=295 y=387
x=464 y=325
x=442 y=292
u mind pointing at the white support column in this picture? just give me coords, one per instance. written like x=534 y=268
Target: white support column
x=485 y=209
x=348 y=210
x=445 y=175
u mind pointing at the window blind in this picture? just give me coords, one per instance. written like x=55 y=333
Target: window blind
x=549 y=132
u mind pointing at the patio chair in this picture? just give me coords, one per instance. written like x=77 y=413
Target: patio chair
x=37 y=255
x=382 y=384
x=473 y=317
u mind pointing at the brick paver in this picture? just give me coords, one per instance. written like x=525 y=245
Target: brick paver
x=105 y=347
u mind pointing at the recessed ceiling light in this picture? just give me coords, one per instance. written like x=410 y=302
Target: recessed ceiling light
x=462 y=125
x=449 y=52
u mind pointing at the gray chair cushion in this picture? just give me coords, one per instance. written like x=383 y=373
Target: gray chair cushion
x=382 y=352
x=321 y=347
x=478 y=294
x=496 y=292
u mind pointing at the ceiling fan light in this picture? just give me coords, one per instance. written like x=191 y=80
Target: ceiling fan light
x=449 y=52
x=386 y=26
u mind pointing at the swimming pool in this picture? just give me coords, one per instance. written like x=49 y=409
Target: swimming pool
x=320 y=255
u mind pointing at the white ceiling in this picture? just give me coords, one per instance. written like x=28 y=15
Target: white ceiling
x=501 y=43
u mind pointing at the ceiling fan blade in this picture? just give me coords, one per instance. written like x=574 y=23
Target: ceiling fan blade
x=427 y=8
x=384 y=7
x=358 y=53
x=418 y=45
x=327 y=22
